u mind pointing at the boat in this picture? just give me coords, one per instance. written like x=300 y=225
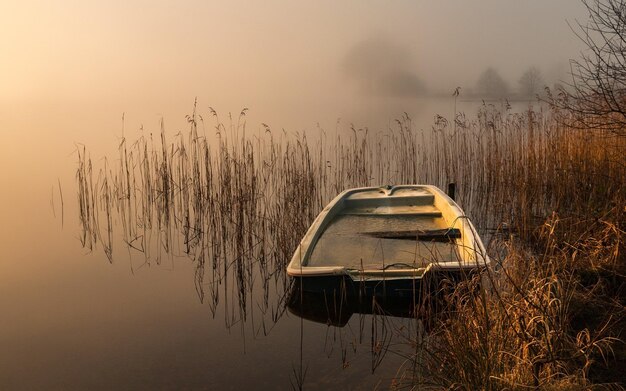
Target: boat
x=384 y=241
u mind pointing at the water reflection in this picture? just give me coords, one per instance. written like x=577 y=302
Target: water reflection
x=336 y=307
x=333 y=300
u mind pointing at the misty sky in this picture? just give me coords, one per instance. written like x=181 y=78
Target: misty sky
x=72 y=68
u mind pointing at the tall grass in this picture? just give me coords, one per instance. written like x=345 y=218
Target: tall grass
x=236 y=202
x=550 y=312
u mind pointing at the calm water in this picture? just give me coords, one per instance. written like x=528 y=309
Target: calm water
x=70 y=319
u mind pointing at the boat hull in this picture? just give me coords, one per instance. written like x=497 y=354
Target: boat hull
x=334 y=299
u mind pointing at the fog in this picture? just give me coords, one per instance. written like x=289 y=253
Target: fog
x=76 y=73
x=70 y=70
x=381 y=67
x=292 y=60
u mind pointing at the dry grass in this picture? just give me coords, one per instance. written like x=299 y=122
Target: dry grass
x=550 y=312
x=237 y=204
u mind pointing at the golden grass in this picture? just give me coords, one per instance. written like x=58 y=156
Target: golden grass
x=550 y=311
x=237 y=203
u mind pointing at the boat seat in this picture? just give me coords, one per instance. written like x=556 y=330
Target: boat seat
x=433 y=235
x=401 y=210
x=358 y=200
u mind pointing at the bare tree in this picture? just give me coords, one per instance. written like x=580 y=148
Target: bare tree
x=596 y=96
x=491 y=85
x=531 y=82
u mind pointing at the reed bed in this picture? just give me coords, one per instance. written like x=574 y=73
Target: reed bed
x=236 y=202
x=550 y=312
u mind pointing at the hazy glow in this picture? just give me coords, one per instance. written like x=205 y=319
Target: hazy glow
x=240 y=53
x=70 y=69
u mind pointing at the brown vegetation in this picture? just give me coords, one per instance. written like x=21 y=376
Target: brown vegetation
x=550 y=312
x=547 y=314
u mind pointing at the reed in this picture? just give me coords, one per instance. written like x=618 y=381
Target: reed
x=550 y=312
x=237 y=203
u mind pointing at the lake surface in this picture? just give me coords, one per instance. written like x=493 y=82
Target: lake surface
x=71 y=319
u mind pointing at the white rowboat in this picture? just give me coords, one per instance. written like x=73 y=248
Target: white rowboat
x=388 y=233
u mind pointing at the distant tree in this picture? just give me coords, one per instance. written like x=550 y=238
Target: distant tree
x=383 y=67
x=531 y=83
x=596 y=96
x=491 y=85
